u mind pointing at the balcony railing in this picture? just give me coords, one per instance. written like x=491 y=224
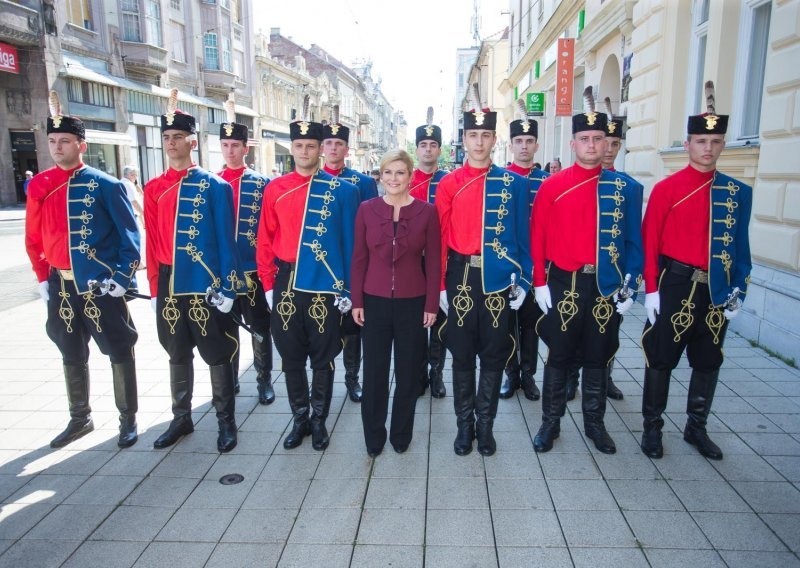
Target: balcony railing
x=144 y=58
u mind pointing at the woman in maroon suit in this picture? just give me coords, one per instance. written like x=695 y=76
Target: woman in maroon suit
x=395 y=277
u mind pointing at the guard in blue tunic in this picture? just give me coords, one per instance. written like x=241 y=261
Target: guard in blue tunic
x=586 y=225
x=304 y=248
x=190 y=248
x=486 y=264
x=248 y=195
x=83 y=242
x=335 y=148
x=696 y=271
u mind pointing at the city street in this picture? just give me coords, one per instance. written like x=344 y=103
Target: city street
x=92 y=504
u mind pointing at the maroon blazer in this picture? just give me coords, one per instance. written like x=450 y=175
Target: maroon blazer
x=402 y=265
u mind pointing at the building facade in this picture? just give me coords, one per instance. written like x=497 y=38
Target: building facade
x=652 y=57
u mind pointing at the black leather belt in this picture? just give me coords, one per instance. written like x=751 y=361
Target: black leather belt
x=692 y=273
x=474 y=260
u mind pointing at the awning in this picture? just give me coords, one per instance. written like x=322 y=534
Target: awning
x=77 y=70
x=104 y=137
x=245 y=111
x=283 y=146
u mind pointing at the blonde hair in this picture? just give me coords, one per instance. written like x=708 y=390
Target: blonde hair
x=397 y=156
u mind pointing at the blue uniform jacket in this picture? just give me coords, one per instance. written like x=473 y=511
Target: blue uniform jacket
x=367 y=188
x=248 y=215
x=103 y=234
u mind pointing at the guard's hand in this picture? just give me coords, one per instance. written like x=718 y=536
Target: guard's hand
x=652 y=303
x=114 y=290
x=154 y=304
x=542 y=296
x=226 y=305
x=343 y=303
x=44 y=291
x=358 y=316
x=624 y=305
x=730 y=314
x=443 y=301
x=517 y=302
x=428 y=319
x=268 y=295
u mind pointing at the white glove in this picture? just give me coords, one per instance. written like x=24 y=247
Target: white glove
x=652 y=303
x=343 y=303
x=730 y=314
x=114 y=290
x=542 y=296
x=624 y=305
x=268 y=295
x=44 y=291
x=517 y=302
x=226 y=305
x=153 y=305
x=443 y=301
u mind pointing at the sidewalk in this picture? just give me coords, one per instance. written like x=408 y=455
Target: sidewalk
x=92 y=504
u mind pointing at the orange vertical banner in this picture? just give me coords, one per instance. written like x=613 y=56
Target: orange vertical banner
x=565 y=67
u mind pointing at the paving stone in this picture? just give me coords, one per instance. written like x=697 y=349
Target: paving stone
x=581 y=495
x=596 y=528
x=693 y=467
x=740 y=559
x=209 y=494
x=737 y=531
x=132 y=463
x=458 y=528
x=787 y=527
x=519 y=557
x=569 y=466
x=48 y=489
x=749 y=423
x=197 y=525
x=535 y=528
x=133 y=523
x=393 y=465
x=666 y=529
x=244 y=555
x=325 y=526
x=9 y=484
x=457 y=493
x=392 y=527
x=336 y=466
x=105 y=554
x=746 y=468
x=17 y=518
x=104 y=490
x=304 y=555
x=184 y=466
x=788 y=466
x=162 y=492
x=460 y=556
x=277 y=494
x=175 y=555
x=295 y=466
x=334 y=493
x=611 y=557
x=70 y=522
x=769 y=497
x=513 y=466
x=709 y=496
x=365 y=556
x=38 y=553
x=389 y=493
x=450 y=465
x=675 y=558
x=519 y=494
x=255 y=526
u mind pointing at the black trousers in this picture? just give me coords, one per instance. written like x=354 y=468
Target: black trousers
x=391 y=322
x=688 y=320
x=523 y=324
x=581 y=321
x=186 y=322
x=477 y=323
x=304 y=325
x=255 y=312
x=73 y=318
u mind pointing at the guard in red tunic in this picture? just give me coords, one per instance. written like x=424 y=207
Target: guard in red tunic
x=248 y=195
x=424 y=181
x=335 y=148
x=304 y=247
x=696 y=270
x=521 y=367
x=83 y=242
x=586 y=225
x=486 y=264
x=191 y=249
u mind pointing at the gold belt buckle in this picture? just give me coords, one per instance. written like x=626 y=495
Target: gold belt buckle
x=700 y=276
x=589 y=269
x=66 y=274
x=475 y=261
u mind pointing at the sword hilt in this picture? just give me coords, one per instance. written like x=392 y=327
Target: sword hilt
x=732 y=302
x=513 y=293
x=214 y=298
x=625 y=291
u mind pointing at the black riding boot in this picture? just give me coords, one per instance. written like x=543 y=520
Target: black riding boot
x=262 y=361
x=529 y=357
x=181 y=384
x=321 y=393
x=554 y=405
x=594 y=409
x=654 y=402
x=464 y=404
x=573 y=377
x=486 y=410
x=80 y=422
x=436 y=354
x=297 y=392
x=125 y=396
x=351 y=355
x=224 y=401
x=701 y=394
x=513 y=381
x=235 y=372
x=612 y=391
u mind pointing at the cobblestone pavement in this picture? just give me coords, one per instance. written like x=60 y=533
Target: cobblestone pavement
x=92 y=504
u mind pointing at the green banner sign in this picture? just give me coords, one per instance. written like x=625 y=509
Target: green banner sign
x=535 y=104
